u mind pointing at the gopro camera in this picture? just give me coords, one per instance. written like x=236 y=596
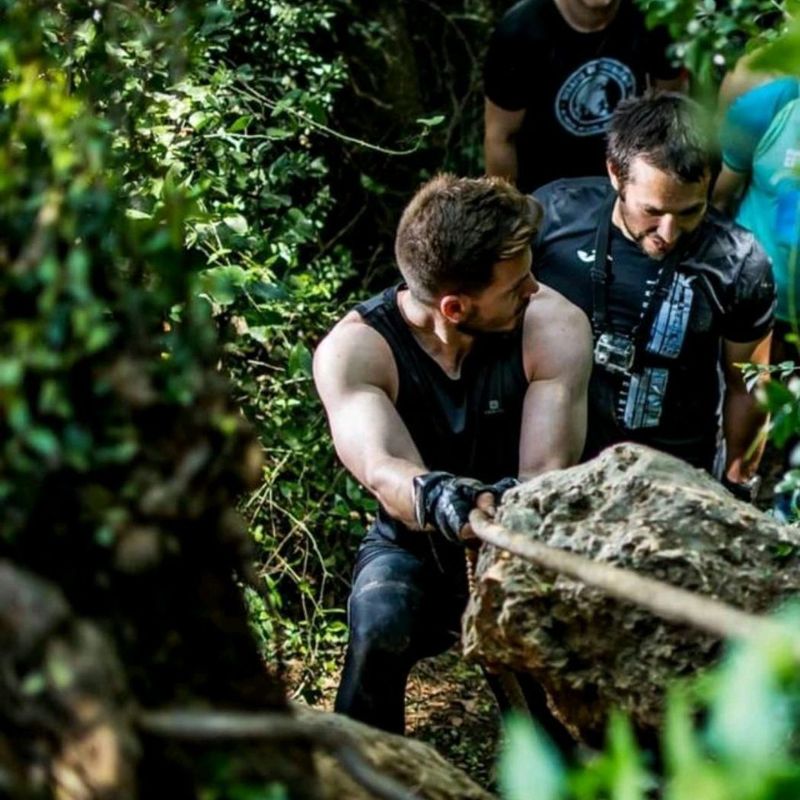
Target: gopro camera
x=614 y=352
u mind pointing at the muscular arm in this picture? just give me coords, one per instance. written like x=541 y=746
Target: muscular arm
x=499 y=143
x=356 y=378
x=558 y=357
x=742 y=418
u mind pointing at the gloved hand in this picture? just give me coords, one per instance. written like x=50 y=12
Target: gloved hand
x=444 y=501
x=747 y=491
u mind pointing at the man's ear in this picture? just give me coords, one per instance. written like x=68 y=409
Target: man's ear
x=454 y=307
x=613 y=174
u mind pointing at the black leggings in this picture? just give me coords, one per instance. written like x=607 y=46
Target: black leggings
x=403 y=607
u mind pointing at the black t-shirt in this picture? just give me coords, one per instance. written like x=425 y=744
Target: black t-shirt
x=569 y=83
x=721 y=289
x=468 y=426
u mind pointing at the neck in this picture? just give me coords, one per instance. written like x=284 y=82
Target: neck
x=587 y=20
x=447 y=345
x=618 y=221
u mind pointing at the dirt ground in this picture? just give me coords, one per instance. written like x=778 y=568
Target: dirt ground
x=449 y=705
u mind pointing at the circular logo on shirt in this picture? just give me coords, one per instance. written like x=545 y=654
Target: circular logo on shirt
x=588 y=97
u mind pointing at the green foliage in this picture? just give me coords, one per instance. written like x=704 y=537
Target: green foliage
x=529 y=764
x=236 y=130
x=731 y=734
x=84 y=293
x=710 y=36
x=781 y=54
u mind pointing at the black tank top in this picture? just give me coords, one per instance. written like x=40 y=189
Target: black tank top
x=469 y=426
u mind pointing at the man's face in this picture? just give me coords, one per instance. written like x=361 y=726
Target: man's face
x=604 y=9
x=502 y=304
x=596 y=5
x=655 y=209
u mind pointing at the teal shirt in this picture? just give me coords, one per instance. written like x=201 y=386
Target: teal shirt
x=761 y=136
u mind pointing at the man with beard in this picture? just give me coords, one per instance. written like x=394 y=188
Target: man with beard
x=677 y=295
x=439 y=392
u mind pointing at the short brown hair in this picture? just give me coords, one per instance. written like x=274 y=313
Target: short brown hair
x=668 y=130
x=455 y=230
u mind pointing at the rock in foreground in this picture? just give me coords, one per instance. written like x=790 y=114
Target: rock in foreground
x=638 y=509
x=413 y=764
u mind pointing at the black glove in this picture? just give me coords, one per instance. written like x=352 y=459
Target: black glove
x=747 y=491
x=444 y=501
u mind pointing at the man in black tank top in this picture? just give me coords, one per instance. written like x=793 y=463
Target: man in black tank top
x=438 y=393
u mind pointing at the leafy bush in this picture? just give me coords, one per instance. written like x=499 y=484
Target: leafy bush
x=732 y=734
x=710 y=36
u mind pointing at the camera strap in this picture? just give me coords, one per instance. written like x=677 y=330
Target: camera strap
x=601 y=278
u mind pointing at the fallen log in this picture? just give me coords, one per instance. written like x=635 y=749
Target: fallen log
x=644 y=511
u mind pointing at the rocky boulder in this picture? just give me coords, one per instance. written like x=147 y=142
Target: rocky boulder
x=413 y=764
x=641 y=510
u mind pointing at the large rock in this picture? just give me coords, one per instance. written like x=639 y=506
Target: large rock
x=639 y=509
x=413 y=764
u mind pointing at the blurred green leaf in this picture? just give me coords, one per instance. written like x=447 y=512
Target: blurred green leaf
x=529 y=765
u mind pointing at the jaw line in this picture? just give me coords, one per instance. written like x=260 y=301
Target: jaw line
x=637 y=240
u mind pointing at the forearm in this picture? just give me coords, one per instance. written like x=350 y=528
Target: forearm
x=390 y=480
x=727 y=190
x=501 y=156
x=743 y=424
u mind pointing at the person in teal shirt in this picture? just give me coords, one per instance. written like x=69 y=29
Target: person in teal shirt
x=760 y=141
x=760 y=172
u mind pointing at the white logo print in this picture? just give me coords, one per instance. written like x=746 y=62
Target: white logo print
x=494 y=407
x=588 y=97
x=587 y=256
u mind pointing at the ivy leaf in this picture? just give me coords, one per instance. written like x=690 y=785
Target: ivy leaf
x=431 y=122
x=529 y=764
x=241 y=123
x=237 y=223
x=299 y=361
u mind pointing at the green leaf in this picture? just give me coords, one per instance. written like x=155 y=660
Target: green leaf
x=10 y=372
x=241 y=123
x=299 y=361
x=199 y=120
x=259 y=333
x=43 y=441
x=237 y=223
x=431 y=122
x=529 y=764
x=782 y=55
x=680 y=745
x=33 y=683
x=629 y=781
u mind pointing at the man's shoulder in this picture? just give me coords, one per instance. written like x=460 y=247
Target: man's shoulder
x=524 y=14
x=557 y=332
x=526 y=20
x=548 y=306
x=726 y=248
x=590 y=185
x=353 y=345
x=568 y=202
